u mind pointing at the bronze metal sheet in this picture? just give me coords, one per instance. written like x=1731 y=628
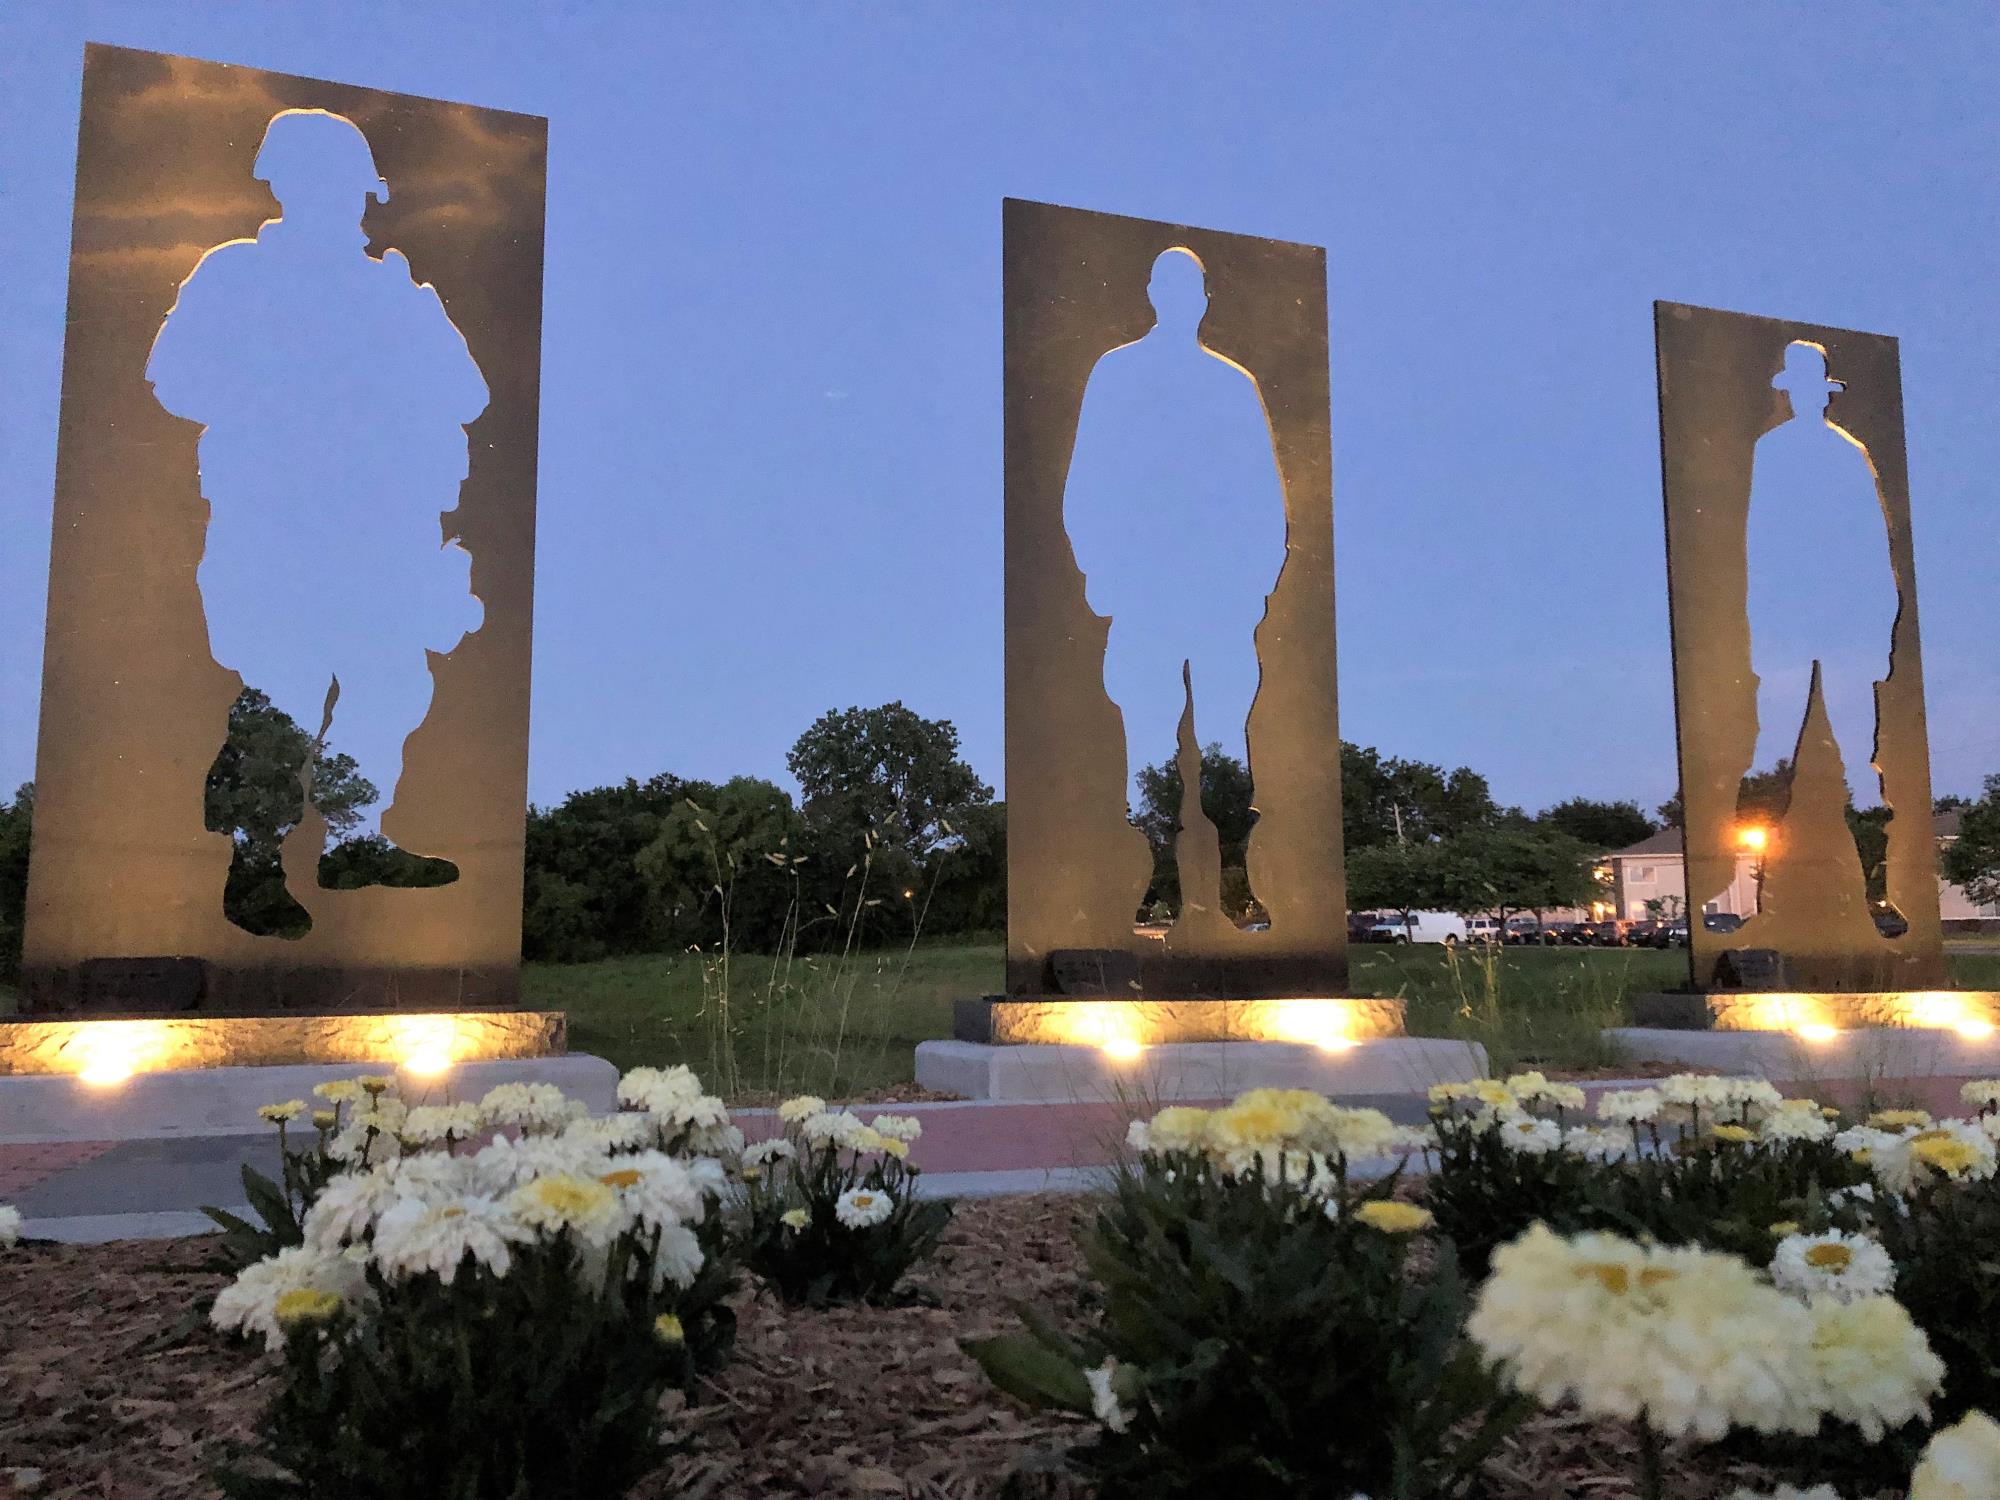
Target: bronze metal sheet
x=134 y=707
x=1075 y=285
x=1716 y=401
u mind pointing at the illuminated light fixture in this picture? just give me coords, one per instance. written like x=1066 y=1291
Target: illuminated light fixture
x=112 y=1051
x=1974 y=1029
x=426 y=1045
x=1121 y=1048
x=1753 y=838
x=1316 y=1023
x=1817 y=1031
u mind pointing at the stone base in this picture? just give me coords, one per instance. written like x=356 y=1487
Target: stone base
x=134 y=1045
x=1152 y=1023
x=1069 y=1073
x=224 y=1101
x=1785 y=1057
x=1789 y=1012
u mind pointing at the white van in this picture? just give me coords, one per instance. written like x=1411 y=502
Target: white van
x=1422 y=927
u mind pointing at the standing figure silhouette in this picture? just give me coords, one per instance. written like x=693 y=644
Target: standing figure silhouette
x=333 y=392
x=1821 y=585
x=1176 y=513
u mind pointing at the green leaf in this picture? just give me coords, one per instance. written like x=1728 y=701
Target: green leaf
x=1028 y=1369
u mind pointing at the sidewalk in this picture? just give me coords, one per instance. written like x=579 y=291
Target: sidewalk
x=93 y=1191
x=88 y=1192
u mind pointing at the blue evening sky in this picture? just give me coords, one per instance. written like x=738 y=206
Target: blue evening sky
x=770 y=464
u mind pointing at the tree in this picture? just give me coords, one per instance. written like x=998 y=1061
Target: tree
x=886 y=771
x=1972 y=860
x=965 y=887
x=253 y=794
x=1401 y=878
x=1383 y=799
x=725 y=869
x=1760 y=796
x=1226 y=797
x=582 y=898
x=1604 y=826
x=17 y=824
x=1510 y=869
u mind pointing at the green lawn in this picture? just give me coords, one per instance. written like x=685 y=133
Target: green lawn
x=839 y=1026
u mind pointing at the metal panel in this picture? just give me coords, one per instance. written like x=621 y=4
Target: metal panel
x=1717 y=400
x=1076 y=288
x=134 y=707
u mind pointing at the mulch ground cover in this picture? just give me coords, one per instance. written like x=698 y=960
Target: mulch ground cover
x=846 y=1402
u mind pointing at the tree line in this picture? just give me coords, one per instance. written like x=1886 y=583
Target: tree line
x=893 y=834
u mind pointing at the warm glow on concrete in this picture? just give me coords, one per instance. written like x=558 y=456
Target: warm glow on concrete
x=428 y=1045
x=108 y=1052
x=1317 y=1023
x=1973 y=1015
x=1122 y=1048
x=1332 y=1024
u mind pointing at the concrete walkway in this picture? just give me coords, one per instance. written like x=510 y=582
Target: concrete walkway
x=88 y=1192
x=93 y=1191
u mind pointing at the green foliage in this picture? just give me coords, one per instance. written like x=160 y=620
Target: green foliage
x=17 y=822
x=1603 y=826
x=886 y=772
x=1226 y=799
x=1384 y=799
x=1514 y=867
x=1259 y=1346
x=1972 y=860
x=822 y=1260
x=581 y=900
x=528 y=1386
x=1682 y=1189
x=722 y=867
x=1401 y=877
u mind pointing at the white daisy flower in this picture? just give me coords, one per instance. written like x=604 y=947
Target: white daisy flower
x=863 y=1208
x=415 y=1236
x=1833 y=1264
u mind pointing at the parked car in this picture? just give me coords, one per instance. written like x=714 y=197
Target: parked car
x=1419 y=927
x=1890 y=922
x=1673 y=934
x=1721 y=921
x=1482 y=930
x=1640 y=934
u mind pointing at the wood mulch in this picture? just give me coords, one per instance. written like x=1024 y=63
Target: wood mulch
x=848 y=1402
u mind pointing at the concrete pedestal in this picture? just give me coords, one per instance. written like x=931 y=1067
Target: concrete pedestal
x=1067 y=1073
x=224 y=1101
x=1902 y=1052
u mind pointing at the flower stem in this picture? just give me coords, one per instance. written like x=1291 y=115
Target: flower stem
x=1649 y=1461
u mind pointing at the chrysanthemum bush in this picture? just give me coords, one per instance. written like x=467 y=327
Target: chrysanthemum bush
x=1882 y=1231
x=499 y=1321
x=1262 y=1331
x=1697 y=1160
x=830 y=1206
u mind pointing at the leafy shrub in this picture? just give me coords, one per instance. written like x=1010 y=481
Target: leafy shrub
x=499 y=1322
x=1264 y=1330
x=831 y=1208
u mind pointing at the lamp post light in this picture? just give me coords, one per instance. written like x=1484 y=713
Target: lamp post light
x=1754 y=839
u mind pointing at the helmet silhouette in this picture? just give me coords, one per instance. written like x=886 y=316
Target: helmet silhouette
x=309 y=148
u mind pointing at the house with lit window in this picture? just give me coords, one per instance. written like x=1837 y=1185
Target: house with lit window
x=1654 y=870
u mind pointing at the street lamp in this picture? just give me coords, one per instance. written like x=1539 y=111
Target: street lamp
x=1754 y=839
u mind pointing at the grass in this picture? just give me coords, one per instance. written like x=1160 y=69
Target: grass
x=1530 y=1007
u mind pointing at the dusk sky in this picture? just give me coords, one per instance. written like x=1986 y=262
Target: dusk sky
x=771 y=418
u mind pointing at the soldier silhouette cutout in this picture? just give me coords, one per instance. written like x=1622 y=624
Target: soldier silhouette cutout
x=1821 y=585
x=1175 y=511
x=334 y=393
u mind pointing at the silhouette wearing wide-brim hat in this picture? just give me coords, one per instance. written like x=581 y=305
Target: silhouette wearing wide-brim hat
x=1820 y=580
